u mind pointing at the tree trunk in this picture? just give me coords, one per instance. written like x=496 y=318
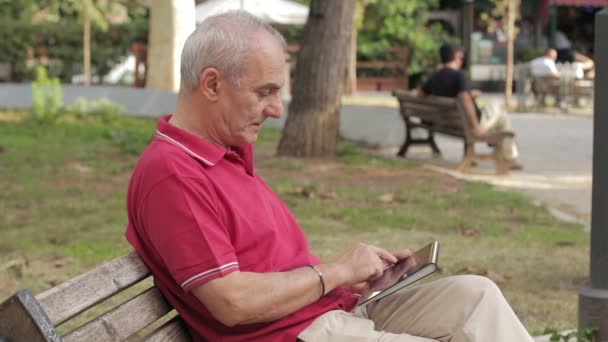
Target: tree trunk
x=86 y=44
x=350 y=81
x=312 y=127
x=510 y=38
x=171 y=22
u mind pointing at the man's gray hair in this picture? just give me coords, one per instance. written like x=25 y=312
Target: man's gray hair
x=222 y=41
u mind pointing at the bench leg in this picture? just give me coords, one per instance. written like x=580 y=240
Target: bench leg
x=408 y=141
x=436 y=151
x=403 y=148
x=502 y=167
x=469 y=158
x=23 y=319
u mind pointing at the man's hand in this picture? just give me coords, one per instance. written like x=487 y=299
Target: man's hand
x=475 y=93
x=390 y=275
x=478 y=131
x=364 y=263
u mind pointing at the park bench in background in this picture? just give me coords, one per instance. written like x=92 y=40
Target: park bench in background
x=24 y=317
x=447 y=116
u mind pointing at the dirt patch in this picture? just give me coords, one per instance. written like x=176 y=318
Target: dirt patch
x=35 y=274
x=88 y=178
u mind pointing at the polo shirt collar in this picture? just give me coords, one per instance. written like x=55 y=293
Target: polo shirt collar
x=199 y=148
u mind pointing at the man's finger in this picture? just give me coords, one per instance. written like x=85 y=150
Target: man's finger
x=386 y=256
x=403 y=254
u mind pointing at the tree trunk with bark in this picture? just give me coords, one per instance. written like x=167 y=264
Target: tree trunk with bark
x=312 y=127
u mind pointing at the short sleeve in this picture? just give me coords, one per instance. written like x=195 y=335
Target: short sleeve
x=426 y=86
x=463 y=83
x=182 y=219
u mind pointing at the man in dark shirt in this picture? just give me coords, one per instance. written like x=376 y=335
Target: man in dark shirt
x=451 y=81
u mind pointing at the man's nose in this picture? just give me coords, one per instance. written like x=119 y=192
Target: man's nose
x=275 y=108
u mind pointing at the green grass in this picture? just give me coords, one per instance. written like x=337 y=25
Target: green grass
x=62 y=211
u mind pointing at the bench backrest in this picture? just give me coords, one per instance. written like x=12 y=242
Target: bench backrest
x=62 y=303
x=444 y=114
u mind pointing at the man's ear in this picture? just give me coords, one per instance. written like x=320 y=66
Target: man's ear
x=209 y=83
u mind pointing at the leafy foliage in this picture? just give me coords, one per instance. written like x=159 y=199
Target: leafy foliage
x=390 y=23
x=393 y=23
x=52 y=28
x=48 y=107
x=47 y=97
x=587 y=335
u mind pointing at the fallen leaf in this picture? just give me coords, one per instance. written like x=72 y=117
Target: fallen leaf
x=386 y=198
x=328 y=195
x=468 y=232
x=307 y=192
x=81 y=168
x=494 y=276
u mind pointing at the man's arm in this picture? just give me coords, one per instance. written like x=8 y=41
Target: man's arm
x=553 y=69
x=475 y=93
x=467 y=101
x=246 y=297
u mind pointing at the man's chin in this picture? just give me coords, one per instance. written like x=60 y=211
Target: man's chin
x=251 y=138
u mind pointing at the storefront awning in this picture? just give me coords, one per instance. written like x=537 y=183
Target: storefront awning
x=592 y=3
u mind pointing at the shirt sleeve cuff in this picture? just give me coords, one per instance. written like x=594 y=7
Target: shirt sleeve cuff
x=209 y=275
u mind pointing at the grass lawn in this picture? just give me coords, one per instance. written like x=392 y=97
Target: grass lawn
x=62 y=211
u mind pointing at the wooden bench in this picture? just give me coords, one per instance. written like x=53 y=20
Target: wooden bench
x=447 y=116
x=546 y=86
x=25 y=317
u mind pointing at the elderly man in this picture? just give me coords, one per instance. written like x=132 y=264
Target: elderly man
x=227 y=253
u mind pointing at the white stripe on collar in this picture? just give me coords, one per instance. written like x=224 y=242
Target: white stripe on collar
x=178 y=144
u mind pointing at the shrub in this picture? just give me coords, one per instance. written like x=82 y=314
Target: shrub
x=47 y=97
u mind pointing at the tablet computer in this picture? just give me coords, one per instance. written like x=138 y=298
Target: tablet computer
x=422 y=263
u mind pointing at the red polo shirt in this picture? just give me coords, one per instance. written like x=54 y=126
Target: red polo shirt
x=198 y=212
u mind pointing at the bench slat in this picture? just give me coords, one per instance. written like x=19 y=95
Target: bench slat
x=125 y=320
x=174 y=330
x=437 y=121
x=439 y=101
x=428 y=106
x=78 y=294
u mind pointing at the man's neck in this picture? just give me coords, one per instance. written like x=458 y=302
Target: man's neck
x=185 y=118
x=452 y=65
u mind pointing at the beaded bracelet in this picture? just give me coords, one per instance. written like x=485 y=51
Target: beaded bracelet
x=320 y=279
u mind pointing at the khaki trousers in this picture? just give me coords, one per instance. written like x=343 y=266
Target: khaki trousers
x=455 y=309
x=494 y=118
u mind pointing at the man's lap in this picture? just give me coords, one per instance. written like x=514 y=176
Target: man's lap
x=404 y=316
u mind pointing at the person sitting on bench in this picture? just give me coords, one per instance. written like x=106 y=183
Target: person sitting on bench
x=451 y=81
x=225 y=250
x=544 y=66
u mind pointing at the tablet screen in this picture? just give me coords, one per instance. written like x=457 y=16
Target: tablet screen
x=393 y=277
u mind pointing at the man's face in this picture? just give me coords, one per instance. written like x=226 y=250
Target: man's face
x=553 y=54
x=459 y=57
x=244 y=108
